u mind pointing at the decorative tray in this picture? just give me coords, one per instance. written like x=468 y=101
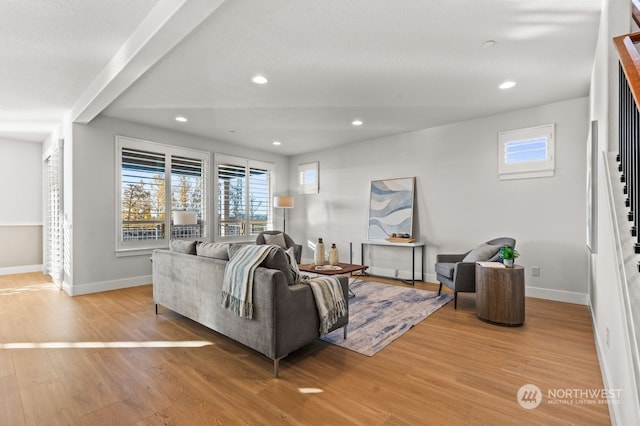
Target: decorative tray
x=328 y=268
x=400 y=240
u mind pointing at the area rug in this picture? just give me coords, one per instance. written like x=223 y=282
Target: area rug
x=380 y=313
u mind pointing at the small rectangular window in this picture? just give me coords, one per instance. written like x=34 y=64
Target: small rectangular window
x=526 y=153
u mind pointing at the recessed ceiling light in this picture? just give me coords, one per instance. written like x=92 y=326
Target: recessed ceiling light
x=181 y=119
x=488 y=43
x=277 y=143
x=357 y=122
x=260 y=79
x=507 y=85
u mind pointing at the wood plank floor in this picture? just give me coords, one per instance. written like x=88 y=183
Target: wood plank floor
x=450 y=369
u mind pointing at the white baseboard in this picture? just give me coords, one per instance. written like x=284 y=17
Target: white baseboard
x=557 y=295
x=10 y=270
x=78 y=290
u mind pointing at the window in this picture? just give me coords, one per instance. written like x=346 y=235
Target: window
x=162 y=194
x=53 y=236
x=244 y=196
x=526 y=153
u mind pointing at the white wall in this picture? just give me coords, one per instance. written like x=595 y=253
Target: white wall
x=95 y=265
x=460 y=202
x=21 y=206
x=20 y=183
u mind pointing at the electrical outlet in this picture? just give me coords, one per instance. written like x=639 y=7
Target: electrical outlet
x=608 y=334
x=535 y=271
x=396 y=273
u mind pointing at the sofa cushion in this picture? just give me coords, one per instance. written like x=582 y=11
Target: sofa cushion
x=182 y=246
x=214 y=250
x=482 y=253
x=277 y=259
x=445 y=269
x=275 y=239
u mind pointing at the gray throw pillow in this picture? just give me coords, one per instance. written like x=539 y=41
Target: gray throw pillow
x=482 y=253
x=275 y=240
x=214 y=250
x=182 y=246
x=277 y=259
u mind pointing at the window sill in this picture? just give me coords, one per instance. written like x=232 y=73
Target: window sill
x=137 y=252
x=526 y=175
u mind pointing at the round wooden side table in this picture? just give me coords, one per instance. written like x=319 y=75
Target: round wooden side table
x=500 y=294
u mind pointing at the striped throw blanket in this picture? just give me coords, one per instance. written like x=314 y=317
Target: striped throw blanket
x=329 y=300
x=237 y=287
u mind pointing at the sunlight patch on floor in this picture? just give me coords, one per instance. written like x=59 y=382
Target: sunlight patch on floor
x=310 y=390
x=27 y=289
x=119 y=345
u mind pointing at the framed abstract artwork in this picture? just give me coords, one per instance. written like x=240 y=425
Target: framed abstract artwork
x=391 y=207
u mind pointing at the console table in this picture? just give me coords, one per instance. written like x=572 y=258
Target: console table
x=406 y=245
x=500 y=293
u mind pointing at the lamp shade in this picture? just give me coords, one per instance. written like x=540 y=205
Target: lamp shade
x=184 y=217
x=283 y=202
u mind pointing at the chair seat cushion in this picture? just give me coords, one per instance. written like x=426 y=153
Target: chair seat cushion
x=482 y=253
x=445 y=269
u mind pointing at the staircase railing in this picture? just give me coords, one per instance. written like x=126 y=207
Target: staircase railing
x=629 y=128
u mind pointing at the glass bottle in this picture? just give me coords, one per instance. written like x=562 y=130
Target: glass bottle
x=333 y=255
x=320 y=253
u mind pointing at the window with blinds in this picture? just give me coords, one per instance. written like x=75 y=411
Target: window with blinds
x=243 y=197
x=526 y=153
x=162 y=194
x=54 y=228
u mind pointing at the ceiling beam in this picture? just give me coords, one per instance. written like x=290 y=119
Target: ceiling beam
x=168 y=23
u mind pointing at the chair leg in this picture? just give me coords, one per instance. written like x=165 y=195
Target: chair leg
x=455 y=300
x=440 y=289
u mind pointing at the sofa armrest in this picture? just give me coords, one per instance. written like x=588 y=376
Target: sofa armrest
x=292 y=311
x=465 y=276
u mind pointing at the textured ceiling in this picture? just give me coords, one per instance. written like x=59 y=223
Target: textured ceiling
x=398 y=66
x=50 y=51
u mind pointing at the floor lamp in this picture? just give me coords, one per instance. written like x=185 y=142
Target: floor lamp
x=283 y=203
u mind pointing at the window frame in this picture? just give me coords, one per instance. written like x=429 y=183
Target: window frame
x=248 y=165
x=138 y=247
x=527 y=169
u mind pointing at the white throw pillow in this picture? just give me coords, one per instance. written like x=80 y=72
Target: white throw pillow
x=275 y=240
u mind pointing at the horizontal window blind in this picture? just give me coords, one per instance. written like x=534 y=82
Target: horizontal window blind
x=54 y=226
x=155 y=182
x=243 y=197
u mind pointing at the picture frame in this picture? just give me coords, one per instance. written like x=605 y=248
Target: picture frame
x=391 y=207
x=309 y=178
x=592 y=189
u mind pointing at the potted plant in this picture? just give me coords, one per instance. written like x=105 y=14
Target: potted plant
x=508 y=255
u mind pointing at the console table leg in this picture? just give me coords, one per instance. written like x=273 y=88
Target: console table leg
x=413 y=265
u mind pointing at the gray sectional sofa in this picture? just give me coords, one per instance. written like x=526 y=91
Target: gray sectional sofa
x=188 y=280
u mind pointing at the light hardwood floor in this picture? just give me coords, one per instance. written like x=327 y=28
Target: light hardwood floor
x=451 y=368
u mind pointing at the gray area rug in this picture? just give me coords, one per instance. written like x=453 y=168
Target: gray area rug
x=380 y=313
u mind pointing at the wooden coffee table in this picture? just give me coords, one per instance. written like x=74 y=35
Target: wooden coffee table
x=345 y=268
